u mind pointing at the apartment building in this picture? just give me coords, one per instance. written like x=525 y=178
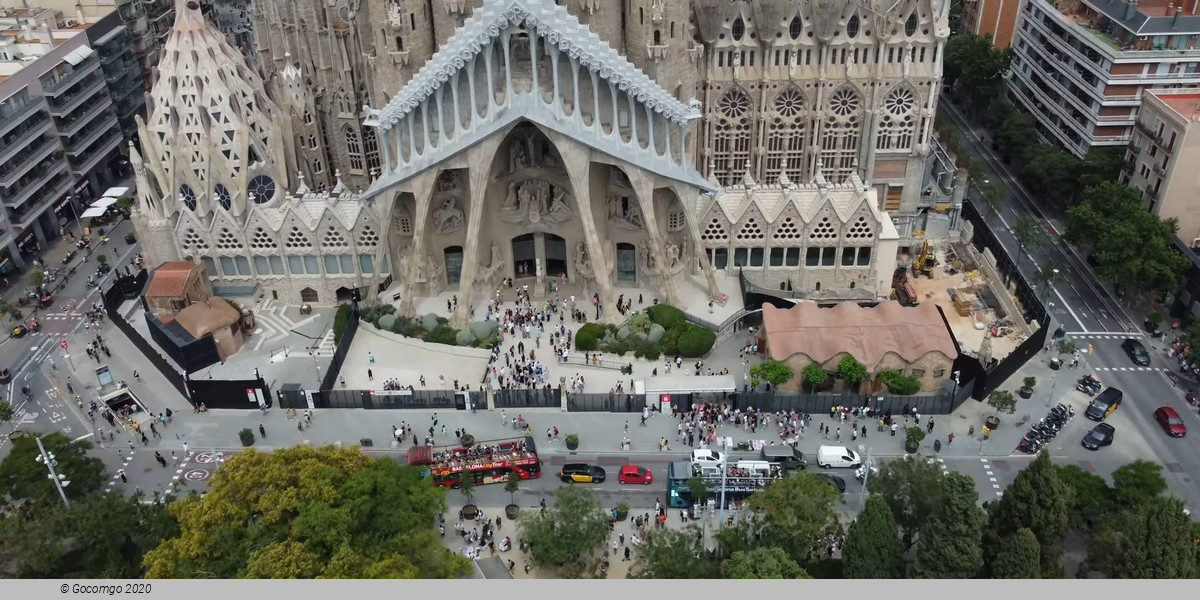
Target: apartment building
x=1163 y=155
x=59 y=133
x=1080 y=66
x=997 y=18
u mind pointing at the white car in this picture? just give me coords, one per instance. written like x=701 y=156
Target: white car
x=704 y=456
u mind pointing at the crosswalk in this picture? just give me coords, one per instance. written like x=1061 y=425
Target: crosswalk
x=1129 y=369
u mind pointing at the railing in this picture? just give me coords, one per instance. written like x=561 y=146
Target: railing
x=33 y=185
x=16 y=119
x=85 y=67
x=27 y=213
x=90 y=135
x=97 y=152
x=32 y=155
x=65 y=104
x=10 y=146
x=78 y=119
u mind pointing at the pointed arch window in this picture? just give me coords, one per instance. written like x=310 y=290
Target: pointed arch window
x=738 y=30
x=910 y=26
x=371 y=148
x=840 y=136
x=353 y=148
x=785 y=144
x=795 y=28
x=897 y=124
x=731 y=136
x=852 y=27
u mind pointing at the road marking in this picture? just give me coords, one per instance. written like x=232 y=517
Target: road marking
x=83 y=437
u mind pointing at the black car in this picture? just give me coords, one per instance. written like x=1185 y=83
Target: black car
x=581 y=473
x=1104 y=404
x=837 y=482
x=1100 y=436
x=1137 y=352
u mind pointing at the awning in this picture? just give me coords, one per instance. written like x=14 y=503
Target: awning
x=104 y=202
x=116 y=192
x=93 y=212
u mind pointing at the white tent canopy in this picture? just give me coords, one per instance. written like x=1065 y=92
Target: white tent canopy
x=104 y=202
x=93 y=212
x=116 y=192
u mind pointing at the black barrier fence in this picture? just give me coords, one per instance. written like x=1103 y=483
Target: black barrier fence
x=226 y=393
x=619 y=403
x=376 y=399
x=190 y=353
x=127 y=288
x=537 y=398
x=343 y=346
x=818 y=404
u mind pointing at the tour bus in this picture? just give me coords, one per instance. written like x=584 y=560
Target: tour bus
x=742 y=479
x=487 y=462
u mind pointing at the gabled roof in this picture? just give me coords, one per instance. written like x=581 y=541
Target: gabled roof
x=170 y=279
x=550 y=21
x=867 y=334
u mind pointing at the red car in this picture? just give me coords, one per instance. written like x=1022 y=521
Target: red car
x=635 y=474
x=1170 y=421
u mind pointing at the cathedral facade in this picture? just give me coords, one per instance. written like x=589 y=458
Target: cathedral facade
x=786 y=87
x=511 y=138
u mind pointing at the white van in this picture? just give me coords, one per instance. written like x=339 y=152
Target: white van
x=837 y=457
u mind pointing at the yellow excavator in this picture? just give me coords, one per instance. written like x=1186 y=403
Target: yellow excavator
x=924 y=262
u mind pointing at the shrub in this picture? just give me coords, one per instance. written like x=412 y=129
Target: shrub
x=814 y=376
x=465 y=338
x=246 y=436
x=429 y=322
x=589 y=336
x=640 y=323
x=369 y=314
x=624 y=332
x=666 y=315
x=656 y=333
x=339 y=322
x=695 y=342
x=851 y=371
x=616 y=347
x=772 y=371
x=386 y=323
x=443 y=334
x=901 y=385
x=670 y=341
x=409 y=327
x=387 y=309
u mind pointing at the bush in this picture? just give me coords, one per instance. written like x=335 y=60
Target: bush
x=814 y=376
x=443 y=334
x=387 y=309
x=651 y=351
x=639 y=323
x=589 y=336
x=695 y=342
x=482 y=330
x=670 y=341
x=624 y=332
x=666 y=315
x=465 y=338
x=339 y=322
x=369 y=314
x=386 y=323
x=246 y=436
x=656 y=333
x=430 y=322
x=901 y=385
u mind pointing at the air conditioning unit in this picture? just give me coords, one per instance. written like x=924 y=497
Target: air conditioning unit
x=69 y=23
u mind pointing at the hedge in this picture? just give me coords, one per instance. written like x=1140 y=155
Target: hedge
x=901 y=385
x=339 y=322
x=666 y=315
x=695 y=342
x=588 y=337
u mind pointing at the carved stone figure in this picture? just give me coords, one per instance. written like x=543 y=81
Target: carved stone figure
x=518 y=155
x=583 y=262
x=395 y=16
x=536 y=201
x=489 y=275
x=435 y=280
x=447 y=181
x=449 y=218
x=624 y=212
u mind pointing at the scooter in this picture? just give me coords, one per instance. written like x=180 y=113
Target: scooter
x=1089 y=385
x=1192 y=398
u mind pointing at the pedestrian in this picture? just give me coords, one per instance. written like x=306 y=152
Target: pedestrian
x=864 y=432
x=556 y=434
x=442 y=531
x=950 y=439
x=894 y=429
x=971 y=431
x=370 y=375
x=262 y=431
x=144 y=440
x=930 y=425
x=549 y=435
x=342 y=380
x=838 y=435
x=121 y=473
x=185 y=448
x=159 y=457
x=153 y=429
x=371 y=357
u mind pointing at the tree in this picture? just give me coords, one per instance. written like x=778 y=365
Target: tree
x=1029 y=236
x=1158 y=542
x=912 y=488
x=101 y=535
x=1066 y=346
x=1130 y=246
x=1090 y=497
x=565 y=536
x=793 y=512
x=37 y=278
x=950 y=546
x=1138 y=482
x=872 y=549
x=698 y=489
x=774 y=372
x=814 y=376
x=762 y=563
x=101 y=259
x=1018 y=556
x=671 y=554
x=6 y=411
x=1038 y=501
x=1017 y=133
x=467 y=488
x=976 y=68
x=991 y=195
x=851 y=371
x=1002 y=401
x=1052 y=172
x=512 y=486
x=124 y=203
x=22 y=477
x=304 y=513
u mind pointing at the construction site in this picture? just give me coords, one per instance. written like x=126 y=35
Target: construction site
x=987 y=319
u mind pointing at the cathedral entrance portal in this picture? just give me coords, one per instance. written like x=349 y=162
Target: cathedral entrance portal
x=556 y=256
x=626 y=263
x=524 y=249
x=454 y=263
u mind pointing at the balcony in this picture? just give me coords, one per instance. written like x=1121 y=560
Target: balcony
x=98 y=152
x=17 y=119
x=33 y=156
x=80 y=143
x=64 y=105
x=13 y=144
x=25 y=189
x=656 y=52
x=88 y=66
x=24 y=215
x=69 y=127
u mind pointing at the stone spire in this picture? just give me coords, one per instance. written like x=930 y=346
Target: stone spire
x=210 y=132
x=292 y=80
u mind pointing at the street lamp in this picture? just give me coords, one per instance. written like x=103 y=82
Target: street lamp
x=954 y=377
x=60 y=481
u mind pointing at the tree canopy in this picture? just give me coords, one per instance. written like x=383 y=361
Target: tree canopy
x=1158 y=542
x=762 y=563
x=793 y=512
x=872 y=549
x=976 y=68
x=22 y=477
x=304 y=513
x=950 y=545
x=1131 y=247
x=1138 y=482
x=772 y=371
x=1018 y=557
x=912 y=488
x=565 y=536
x=1037 y=501
x=672 y=554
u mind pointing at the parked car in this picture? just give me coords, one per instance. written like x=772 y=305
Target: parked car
x=635 y=474
x=839 y=457
x=1136 y=351
x=1099 y=437
x=791 y=458
x=1104 y=404
x=581 y=473
x=1170 y=421
x=704 y=456
x=837 y=482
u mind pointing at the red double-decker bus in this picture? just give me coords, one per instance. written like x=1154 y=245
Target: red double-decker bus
x=487 y=462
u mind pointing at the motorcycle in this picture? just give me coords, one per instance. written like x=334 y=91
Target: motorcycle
x=1089 y=385
x=68 y=256
x=1192 y=399
x=861 y=472
x=34 y=325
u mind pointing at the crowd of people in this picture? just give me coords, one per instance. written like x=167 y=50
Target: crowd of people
x=482 y=452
